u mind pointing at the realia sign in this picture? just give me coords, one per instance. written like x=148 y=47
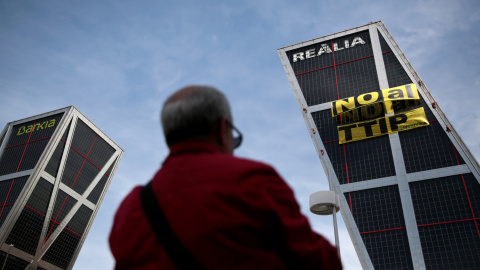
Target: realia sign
x=326 y=48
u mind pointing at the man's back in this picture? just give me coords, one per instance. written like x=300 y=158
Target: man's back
x=229 y=213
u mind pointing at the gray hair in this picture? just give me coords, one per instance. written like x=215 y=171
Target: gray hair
x=193 y=115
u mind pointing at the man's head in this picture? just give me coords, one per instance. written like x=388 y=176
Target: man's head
x=198 y=113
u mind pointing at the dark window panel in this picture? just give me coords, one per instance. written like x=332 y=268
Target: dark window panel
x=321 y=86
x=318 y=87
x=443 y=199
x=358 y=157
x=101 y=152
x=83 y=138
x=369 y=159
x=473 y=188
x=11 y=159
x=358 y=154
x=356 y=52
x=40 y=196
x=376 y=209
x=428 y=148
x=5 y=211
x=450 y=245
x=389 y=249
x=9 y=191
x=356 y=78
x=26 y=232
x=32 y=155
x=396 y=75
x=22 y=157
x=72 y=167
x=85 y=177
x=337 y=158
x=54 y=162
x=61 y=252
x=326 y=125
x=383 y=44
x=79 y=221
x=12 y=263
x=63 y=204
x=97 y=191
x=79 y=172
x=63 y=248
x=4 y=188
x=15 y=190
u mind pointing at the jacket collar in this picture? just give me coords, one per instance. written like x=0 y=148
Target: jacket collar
x=192 y=147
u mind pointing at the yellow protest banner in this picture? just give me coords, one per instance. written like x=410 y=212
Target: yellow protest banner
x=385 y=97
x=373 y=111
x=381 y=126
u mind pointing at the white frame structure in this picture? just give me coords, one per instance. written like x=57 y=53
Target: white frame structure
x=402 y=178
x=68 y=121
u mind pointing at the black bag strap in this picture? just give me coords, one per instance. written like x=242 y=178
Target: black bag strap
x=179 y=255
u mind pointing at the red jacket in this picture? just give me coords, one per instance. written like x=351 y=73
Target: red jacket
x=230 y=213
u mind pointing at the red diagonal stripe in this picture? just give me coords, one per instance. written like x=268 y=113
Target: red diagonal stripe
x=91 y=162
x=91 y=146
x=51 y=220
x=384 y=230
x=344 y=151
x=18 y=167
x=55 y=221
x=85 y=158
x=28 y=142
x=466 y=192
x=370 y=56
x=25 y=149
x=445 y=222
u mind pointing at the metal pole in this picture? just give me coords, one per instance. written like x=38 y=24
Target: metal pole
x=337 y=243
x=6 y=257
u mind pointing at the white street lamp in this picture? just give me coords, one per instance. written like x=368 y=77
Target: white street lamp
x=326 y=203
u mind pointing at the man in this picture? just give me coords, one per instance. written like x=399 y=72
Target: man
x=227 y=212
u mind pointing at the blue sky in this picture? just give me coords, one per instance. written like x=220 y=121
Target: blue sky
x=117 y=61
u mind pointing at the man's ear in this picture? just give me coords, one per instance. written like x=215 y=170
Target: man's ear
x=225 y=139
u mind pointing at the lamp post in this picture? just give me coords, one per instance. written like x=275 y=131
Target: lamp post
x=326 y=203
x=6 y=257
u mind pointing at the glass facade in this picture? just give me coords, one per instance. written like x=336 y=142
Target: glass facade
x=53 y=173
x=26 y=143
x=414 y=174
